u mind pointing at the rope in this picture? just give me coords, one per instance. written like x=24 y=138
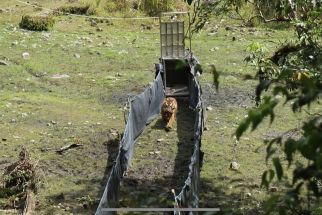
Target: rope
x=86 y=16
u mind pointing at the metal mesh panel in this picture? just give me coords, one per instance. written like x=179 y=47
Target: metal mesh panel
x=172 y=39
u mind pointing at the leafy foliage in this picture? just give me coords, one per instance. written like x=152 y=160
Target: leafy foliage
x=154 y=7
x=293 y=72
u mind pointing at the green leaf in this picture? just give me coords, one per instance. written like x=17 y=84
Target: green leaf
x=189 y=2
x=271 y=204
x=290 y=147
x=282 y=210
x=271 y=175
x=242 y=128
x=269 y=150
x=264 y=180
x=267 y=177
x=278 y=168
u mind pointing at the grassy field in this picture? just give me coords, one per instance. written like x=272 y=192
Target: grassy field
x=73 y=87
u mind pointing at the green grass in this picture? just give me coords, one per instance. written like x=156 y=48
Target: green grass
x=113 y=64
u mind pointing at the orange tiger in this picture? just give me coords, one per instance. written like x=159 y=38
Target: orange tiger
x=169 y=111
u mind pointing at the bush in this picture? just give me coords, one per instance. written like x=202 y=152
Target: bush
x=155 y=7
x=37 y=23
x=117 y=5
x=77 y=9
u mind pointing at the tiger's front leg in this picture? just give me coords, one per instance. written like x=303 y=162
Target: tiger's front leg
x=171 y=121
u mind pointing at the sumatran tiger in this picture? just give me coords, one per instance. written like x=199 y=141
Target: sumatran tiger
x=169 y=111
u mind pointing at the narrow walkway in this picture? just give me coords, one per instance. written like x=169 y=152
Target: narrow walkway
x=160 y=162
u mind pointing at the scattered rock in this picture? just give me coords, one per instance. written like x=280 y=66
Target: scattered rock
x=46 y=35
x=111 y=78
x=14 y=43
x=25 y=55
x=214 y=49
x=273 y=189
x=57 y=76
x=151 y=153
x=77 y=55
x=93 y=23
x=234 y=165
x=248 y=195
x=206 y=128
x=160 y=140
x=45 y=149
x=229 y=28
x=231 y=78
x=209 y=108
x=146 y=27
x=211 y=34
x=157 y=152
x=3 y=63
x=34 y=45
x=278 y=97
x=99 y=29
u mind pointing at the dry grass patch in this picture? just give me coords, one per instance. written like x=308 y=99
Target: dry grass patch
x=78 y=9
x=37 y=22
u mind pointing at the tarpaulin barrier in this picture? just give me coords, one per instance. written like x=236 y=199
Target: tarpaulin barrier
x=143 y=109
x=189 y=195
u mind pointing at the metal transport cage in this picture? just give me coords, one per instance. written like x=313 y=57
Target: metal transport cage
x=174 y=61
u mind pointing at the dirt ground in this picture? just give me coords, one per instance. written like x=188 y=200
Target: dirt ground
x=165 y=166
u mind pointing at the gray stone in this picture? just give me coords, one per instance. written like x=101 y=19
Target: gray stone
x=273 y=189
x=3 y=63
x=160 y=140
x=234 y=165
x=25 y=55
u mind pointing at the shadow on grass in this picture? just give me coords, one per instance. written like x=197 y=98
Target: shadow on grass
x=185 y=131
x=213 y=196
x=80 y=201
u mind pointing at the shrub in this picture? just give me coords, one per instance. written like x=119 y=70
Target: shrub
x=117 y=5
x=77 y=9
x=37 y=23
x=155 y=7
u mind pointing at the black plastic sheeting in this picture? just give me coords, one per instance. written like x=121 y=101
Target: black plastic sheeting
x=189 y=195
x=143 y=109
